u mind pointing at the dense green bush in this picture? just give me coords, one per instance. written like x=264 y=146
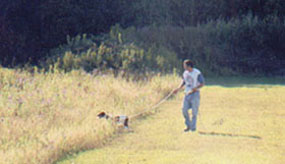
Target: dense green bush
x=110 y=52
x=238 y=46
x=248 y=45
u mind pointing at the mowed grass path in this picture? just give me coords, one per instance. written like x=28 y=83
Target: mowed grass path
x=238 y=112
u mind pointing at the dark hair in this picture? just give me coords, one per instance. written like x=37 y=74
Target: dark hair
x=189 y=63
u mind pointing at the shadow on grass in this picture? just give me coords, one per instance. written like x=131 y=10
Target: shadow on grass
x=229 y=135
x=250 y=82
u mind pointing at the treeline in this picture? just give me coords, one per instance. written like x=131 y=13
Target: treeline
x=243 y=36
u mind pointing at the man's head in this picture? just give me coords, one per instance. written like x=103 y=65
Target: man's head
x=188 y=65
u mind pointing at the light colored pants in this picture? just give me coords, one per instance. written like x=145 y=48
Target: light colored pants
x=191 y=101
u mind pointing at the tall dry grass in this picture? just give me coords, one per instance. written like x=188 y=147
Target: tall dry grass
x=45 y=116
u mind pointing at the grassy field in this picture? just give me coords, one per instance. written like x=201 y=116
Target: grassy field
x=238 y=123
x=45 y=116
x=49 y=117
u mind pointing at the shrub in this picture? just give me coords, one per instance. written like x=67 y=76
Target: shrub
x=113 y=52
x=239 y=46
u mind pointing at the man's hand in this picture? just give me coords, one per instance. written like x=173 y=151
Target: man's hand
x=190 y=92
x=194 y=90
x=176 y=90
x=180 y=87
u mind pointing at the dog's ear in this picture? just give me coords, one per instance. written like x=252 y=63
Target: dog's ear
x=101 y=115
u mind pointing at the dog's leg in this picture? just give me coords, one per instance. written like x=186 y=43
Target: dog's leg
x=126 y=123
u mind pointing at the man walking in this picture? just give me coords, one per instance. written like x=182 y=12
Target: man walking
x=193 y=81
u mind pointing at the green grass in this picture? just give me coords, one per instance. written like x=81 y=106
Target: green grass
x=48 y=117
x=238 y=112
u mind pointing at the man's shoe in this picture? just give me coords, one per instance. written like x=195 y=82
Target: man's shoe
x=193 y=130
x=187 y=130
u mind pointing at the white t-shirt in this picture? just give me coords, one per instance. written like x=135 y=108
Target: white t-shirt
x=191 y=79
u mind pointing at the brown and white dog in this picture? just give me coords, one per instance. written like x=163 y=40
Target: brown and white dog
x=120 y=120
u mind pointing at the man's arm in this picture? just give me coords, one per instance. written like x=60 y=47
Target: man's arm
x=180 y=87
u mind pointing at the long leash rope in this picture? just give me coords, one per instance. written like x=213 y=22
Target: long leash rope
x=199 y=117
x=153 y=107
